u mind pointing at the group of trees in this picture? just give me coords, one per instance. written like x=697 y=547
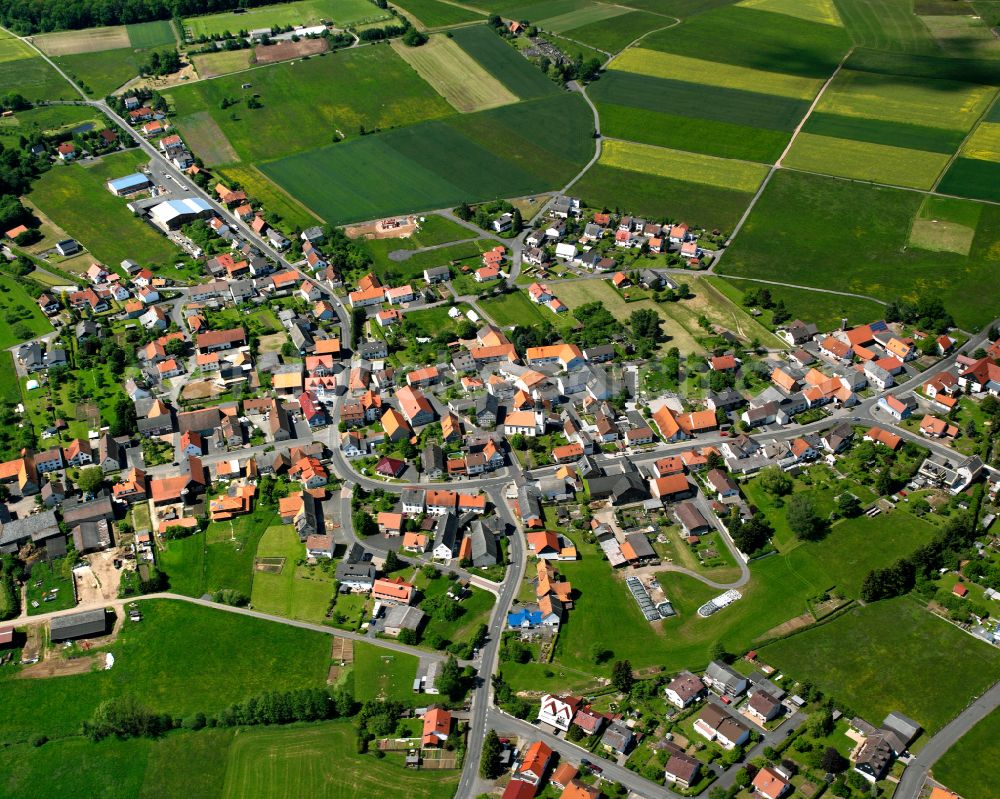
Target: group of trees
x=804 y=520
x=761 y=298
x=645 y=331
x=901 y=577
x=927 y=313
x=166 y=63
x=751 y=535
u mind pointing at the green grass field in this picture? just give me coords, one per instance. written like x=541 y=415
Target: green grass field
x=57 y=577
x=946 y=225
x=504 y=62
x=852 y=237
x=22 y=70
x=18 y=310
x=321 y=760
x=302 y=12
x=103 y=71
x=381 y=674
x=657 y=64
x=475 y=611
x=46 y=119
x=221 y=556
x=151 y=34
x=757 y=39
x=304 y=103
x=432 y=14
x=888 y=656
x=661 y=198
x=470 y=157
x=515 y=309
x=274 y=200
x=683 y=98
x=970 y=177
x=579 y=17
x=180 y=659
x=298 y=592
x=979 y=745
x=885 y=25
x=877 y=163
x=612 y=34
x=696 y=135
x=826 y=310
x=73 y=196
x=877 y=131
x=211 y=65
x=947 y=104
x=708 y=170
x=9 y=389
x=823 y=11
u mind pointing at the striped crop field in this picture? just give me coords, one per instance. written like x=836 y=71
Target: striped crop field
x=694 y=70
x=584 y=16
x=878 y=163
x=984 y=144
x=722 y=173
x=455 y=75
x=932 y=103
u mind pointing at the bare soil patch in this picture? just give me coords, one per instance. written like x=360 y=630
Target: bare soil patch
x=287 y=50
x=270 y=565
x=391 y=228
x=789 y=626
x=99 y=581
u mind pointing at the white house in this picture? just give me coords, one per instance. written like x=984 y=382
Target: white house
x=566 y=251
x=558 y=711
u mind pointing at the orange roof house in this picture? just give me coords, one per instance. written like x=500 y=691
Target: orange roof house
x=769 y=784
x=667 y=424
x=437 y=725
x=394 y=590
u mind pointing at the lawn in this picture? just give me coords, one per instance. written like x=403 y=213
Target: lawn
x=23 y=71
x=221 y=556
x=305 y=103
x=659 y=64
x=299 y=591
x=290 y=211
x=20 y=314
x=455 y=75
x=432 y=14
x=515 y=308
x=980 y=745
x=321 y=760
x=467 y=158
x=303 y=12
x=180 y=659
x=383 y=674
x=704 y=169
x=661 y=198
x=504 y=62
x=580 y=16
x=475 y=611
x=888 y=656
x=73 y=196
x=9 y=389
x=877 y=163
x=53 y=579
x=826 y=310
x=946 y=225
x=85 y=399
x=852 y=237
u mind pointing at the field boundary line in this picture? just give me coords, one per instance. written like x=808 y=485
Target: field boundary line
x=804 y=288
x=958 y=152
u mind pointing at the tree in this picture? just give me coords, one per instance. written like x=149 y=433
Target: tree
x=599 y=654
x=391 y=562
x=125 y=418
x=89 y=479
x=848 y=505
x=449 y=681
x=774 y=481
x=407 y=636
x=364 y=524
x=621 y=676
x=517 y=223
x=715 y=461
x=489 y=764
x=803 y=519
x=414 y=38
x=752 y=534
x=832 y=762
x=645 y=330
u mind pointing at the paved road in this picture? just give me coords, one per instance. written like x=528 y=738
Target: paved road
x=916 y=772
